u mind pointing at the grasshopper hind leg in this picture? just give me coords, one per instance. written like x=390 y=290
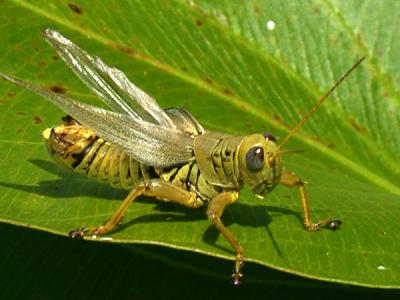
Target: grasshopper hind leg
x=109 y=225
x=160 y=189
x=291 y=180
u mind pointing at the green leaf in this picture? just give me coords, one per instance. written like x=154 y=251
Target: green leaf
x=220 y=61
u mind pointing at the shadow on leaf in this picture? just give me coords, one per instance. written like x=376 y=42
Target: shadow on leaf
x=70 y=185
x=238 y=213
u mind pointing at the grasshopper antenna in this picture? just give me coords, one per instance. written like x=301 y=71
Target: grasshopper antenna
x=318 y=103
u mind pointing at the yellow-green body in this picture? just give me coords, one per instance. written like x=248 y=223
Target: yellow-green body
x=219 y=163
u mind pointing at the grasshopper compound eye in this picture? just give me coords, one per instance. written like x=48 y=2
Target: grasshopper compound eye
x=255 y=158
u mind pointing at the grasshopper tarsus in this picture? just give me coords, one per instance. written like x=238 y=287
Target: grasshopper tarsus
x=237 y=279
x=335 y=224
x=237 y=275
x=78 y=233
x=330 y=224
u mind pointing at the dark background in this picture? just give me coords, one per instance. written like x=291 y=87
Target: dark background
x=38 y=265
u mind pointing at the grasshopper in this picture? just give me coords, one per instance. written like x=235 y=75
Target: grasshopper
x=165 y=154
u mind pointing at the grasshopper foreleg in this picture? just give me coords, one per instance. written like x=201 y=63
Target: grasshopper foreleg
x=291 y=180
x=214 y=211
x=162 y=190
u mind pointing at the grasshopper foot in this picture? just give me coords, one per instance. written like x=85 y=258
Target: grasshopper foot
x=237 y=275
x=334 y=224
x=78 y=233
x=331 y=224
x=237 y=278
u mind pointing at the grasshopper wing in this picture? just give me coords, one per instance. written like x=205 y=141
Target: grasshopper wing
x=112 y=85
x=152 y=144
x=184 y=121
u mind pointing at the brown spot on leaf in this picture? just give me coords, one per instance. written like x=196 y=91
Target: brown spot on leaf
x=55 y=57
x=19 y=130
x=11 y=94
x=42 y=64
x=209 y=80
x=357 y=126
x=3 y=101
x=331 y=145
x=256 y=9
x=281 y=121
x=277 y=118
x=21 y=113
x=227 y=92
x=184 y=69
x=75 y=8
x=125 y=49
x=37 y=120
x=199 y=23
x=58 y=89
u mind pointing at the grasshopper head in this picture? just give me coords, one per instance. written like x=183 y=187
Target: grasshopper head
x=259 y=162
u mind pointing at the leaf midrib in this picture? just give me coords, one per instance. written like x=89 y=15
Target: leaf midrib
x=237 y=101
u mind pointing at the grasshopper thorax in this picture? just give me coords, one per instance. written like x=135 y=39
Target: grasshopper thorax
x=259 y=162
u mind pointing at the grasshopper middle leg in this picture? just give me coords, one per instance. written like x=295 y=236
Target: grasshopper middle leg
x=162 y=190
x=214 y=211
x=291 y=180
